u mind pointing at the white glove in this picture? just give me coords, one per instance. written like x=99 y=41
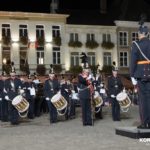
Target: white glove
x=66 y=90
x=134 y=81
x=0 y=99
x=112 y=96
x=21 y=91
x=29 y=88
x=47 y=98
x=89 y=77
x=101 y=85
x=6 y=97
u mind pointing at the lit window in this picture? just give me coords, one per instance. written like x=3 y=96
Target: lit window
x=123 y=59
x=123 y=39
x=75 y=59
x=56 y=55
x=107 y=59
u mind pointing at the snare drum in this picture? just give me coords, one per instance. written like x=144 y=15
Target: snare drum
x=21 y=104
x=97 y=99
x=59 y=102
x=123 y=100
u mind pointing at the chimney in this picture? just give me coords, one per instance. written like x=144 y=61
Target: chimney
x=54 y=6
x=103 y=6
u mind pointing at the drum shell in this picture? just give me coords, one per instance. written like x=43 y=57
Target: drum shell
x=123 y=100
x=20 y=103
x=59 y=102
x=98 y=101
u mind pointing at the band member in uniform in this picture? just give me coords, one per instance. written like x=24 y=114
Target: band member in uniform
x=4 y=103
x=98 y=111
x=51 y=87
x=74 y=97
x=13 y=84
x=115 y=86
x=85 y=95
x=30 y=87
x=65 y=92
x=140 y=72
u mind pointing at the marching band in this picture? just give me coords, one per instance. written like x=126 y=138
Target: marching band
x=18 y=96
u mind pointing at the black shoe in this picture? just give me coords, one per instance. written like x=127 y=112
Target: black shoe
x=116 y=120
x=89 y=124
x=98 y=117
x=53 y=121
x=142 y=126
x=14 y=123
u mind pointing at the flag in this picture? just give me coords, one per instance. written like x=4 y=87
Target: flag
x=36 y=44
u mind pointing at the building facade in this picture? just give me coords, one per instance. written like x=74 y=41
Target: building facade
x=127 y=32
x=42 y=39
x=32 y=38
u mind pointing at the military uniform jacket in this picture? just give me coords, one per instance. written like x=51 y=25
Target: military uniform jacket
x=2 y=91
x=27 y=87
x=65 y=90
x=115 y=85
x=140 y=70
x=84 y=91
x=51 y=87
x=13 y=90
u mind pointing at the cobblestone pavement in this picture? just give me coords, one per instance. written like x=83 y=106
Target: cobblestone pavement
x=39 y=134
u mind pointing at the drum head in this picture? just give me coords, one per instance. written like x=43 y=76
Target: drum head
x=96 y=94
x=121 y=96
x=17 y=100
x=60 y=100
x=56 y=98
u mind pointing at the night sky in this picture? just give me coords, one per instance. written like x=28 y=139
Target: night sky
x=44 y=5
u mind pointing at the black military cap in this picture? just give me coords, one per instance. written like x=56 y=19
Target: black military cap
x=29 y=76
x=143 y=29
x=114 y=68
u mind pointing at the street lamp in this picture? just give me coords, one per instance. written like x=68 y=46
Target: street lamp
x=4 y=61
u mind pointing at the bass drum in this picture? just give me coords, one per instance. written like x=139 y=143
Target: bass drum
x=22 y=105
x=124 y=101
x=60 y=103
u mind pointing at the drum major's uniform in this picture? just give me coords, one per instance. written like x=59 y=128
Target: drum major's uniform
x=85 y=99
x=140 y=73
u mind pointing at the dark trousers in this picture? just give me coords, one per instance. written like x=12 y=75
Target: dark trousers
x=144 y=101
x=31 y=108
x=86 y=111
x=52 y=112
x=14 y=116
x=38 y=105
x=4 y=115
x=115 y=109
x=72 y=111
x=98 y=113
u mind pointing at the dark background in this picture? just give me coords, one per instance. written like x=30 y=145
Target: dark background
x=44 y=5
